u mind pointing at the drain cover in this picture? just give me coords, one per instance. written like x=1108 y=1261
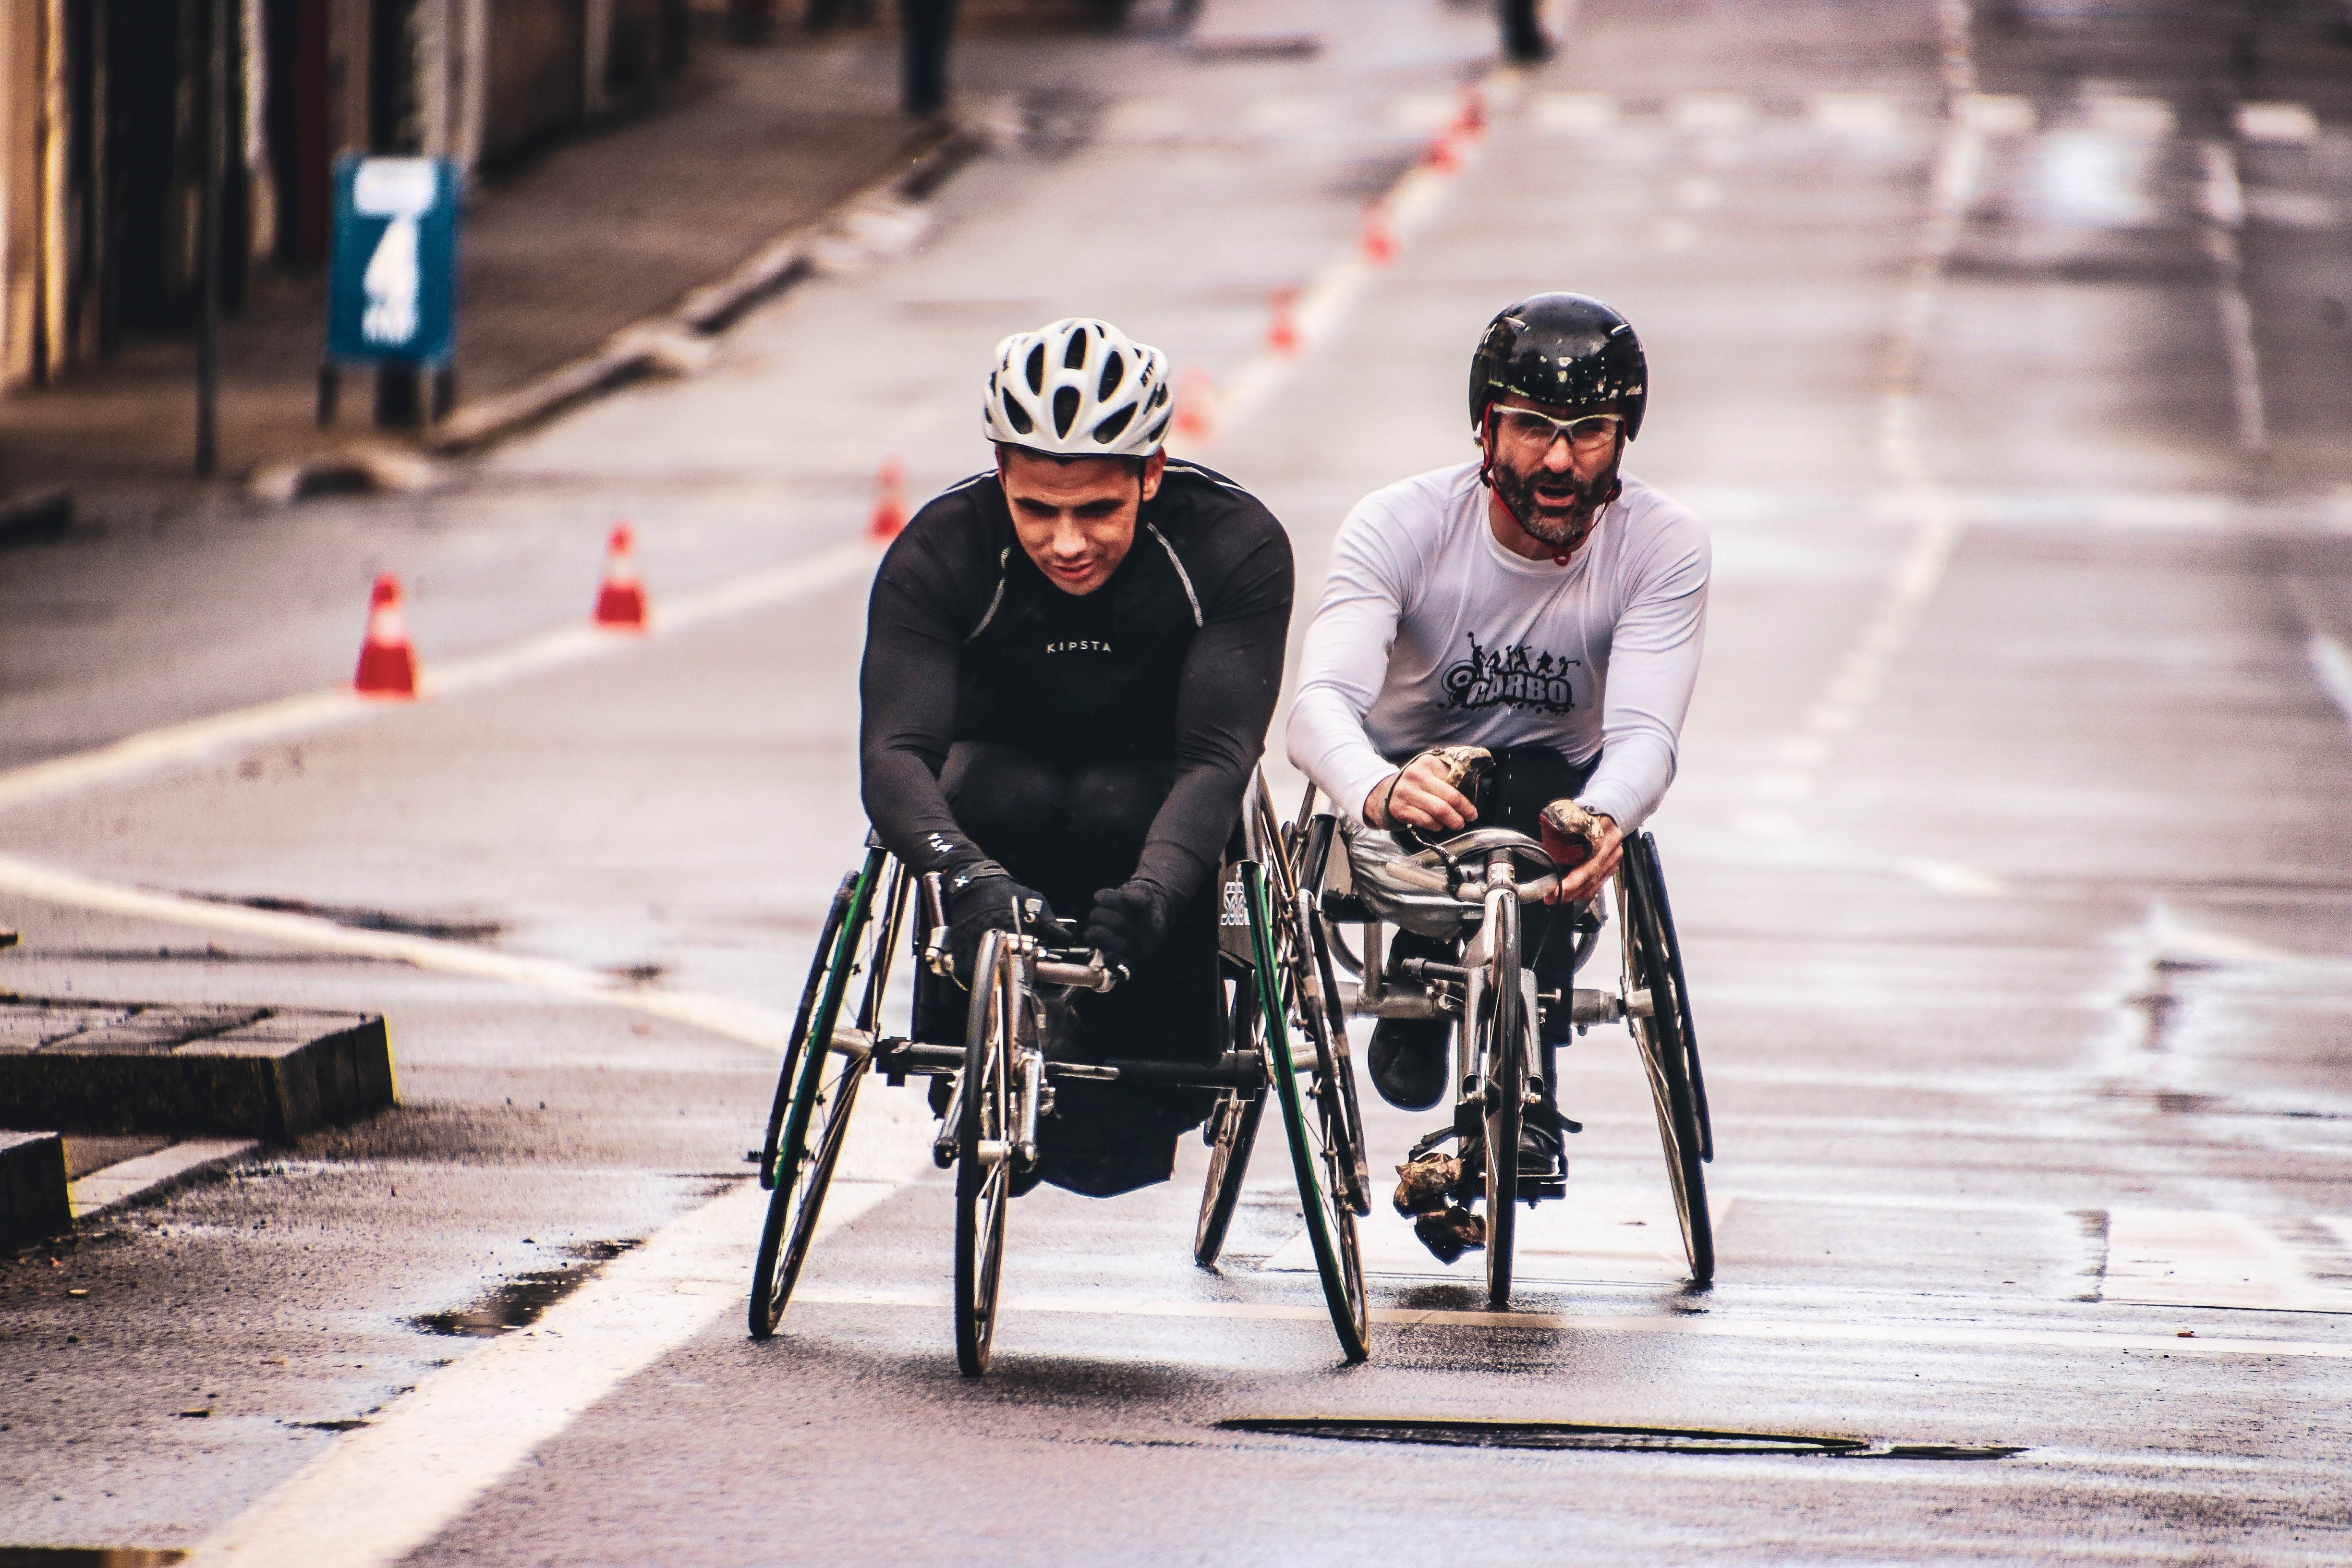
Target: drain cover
x=1574 y=1434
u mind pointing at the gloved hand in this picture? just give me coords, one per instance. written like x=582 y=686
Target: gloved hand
x=983 y=897
x=1129 y=921
x=1571 y=834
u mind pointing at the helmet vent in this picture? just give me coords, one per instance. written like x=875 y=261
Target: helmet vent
x=1066 y=409
x=1114 y=370
x=1112 y=424
x=1017 y=417
x=1073 y=357
x=1037 y=369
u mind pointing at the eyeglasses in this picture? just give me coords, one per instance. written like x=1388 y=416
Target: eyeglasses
x=1585 y=433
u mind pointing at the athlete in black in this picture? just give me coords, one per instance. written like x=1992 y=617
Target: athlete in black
x=1074 y=723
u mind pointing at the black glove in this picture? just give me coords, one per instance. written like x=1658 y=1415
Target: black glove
x=1129 y=921
x=981 y=898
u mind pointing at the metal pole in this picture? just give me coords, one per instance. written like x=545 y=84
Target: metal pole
x=208 y=241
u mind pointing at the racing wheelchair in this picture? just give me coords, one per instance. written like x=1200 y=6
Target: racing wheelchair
x=1471 y=887
x=1279 y=1035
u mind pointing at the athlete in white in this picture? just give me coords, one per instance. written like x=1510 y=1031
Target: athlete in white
x=1537 y=603
x=1431 y=633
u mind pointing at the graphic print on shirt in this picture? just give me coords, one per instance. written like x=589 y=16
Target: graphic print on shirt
x=1508 y=677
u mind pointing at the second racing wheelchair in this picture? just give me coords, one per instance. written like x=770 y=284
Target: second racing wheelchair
x=1281 y=1033
x=1469 y=889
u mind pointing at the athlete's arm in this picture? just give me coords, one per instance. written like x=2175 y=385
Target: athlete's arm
x=1345 y=664
x=1654 y=657
x=915 y=627
x=1225 y=700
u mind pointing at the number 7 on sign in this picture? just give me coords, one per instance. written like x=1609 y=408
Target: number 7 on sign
x=400 y=189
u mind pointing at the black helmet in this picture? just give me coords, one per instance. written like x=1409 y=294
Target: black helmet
x=1564 y=350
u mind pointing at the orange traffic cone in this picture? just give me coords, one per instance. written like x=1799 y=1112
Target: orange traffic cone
x=889 y=502
x=621 y=602
x=1282 y=333
x=1472 y=122
x=1196 y=397
x=387 y=662
x=1380 y=244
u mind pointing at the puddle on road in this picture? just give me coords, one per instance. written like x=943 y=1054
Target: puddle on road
x=1577 y=1437
x=85 y=1557
x=518 y=1302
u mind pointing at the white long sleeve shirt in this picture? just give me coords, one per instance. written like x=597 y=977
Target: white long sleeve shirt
x=1430 y=632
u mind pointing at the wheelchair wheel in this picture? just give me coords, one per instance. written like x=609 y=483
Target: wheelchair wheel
x=1230 y=1134
x=984 y=1152
x=1504 y=1064
x=1297 y=875
x=1320 y=1151
x=1651 y=966
x=816 y=1090
x=1233 y=1133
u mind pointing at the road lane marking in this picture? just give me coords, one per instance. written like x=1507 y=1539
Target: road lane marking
x=749 y=1022
x=2221 y=200
x=1331 y=295
x=1714 y=1323
x=1949 y=876
x=1859 y=675
x=2184 y=1258
x=220 y=735
x=2332 y=667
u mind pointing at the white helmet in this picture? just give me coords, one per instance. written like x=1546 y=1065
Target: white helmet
x=1079 y=388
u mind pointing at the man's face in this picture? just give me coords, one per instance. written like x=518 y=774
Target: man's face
x=1075 y=519
x=1553 y=488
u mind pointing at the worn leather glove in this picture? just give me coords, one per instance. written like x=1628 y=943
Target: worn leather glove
x=1129 y=921
x=1571 y=834
x=983 y=897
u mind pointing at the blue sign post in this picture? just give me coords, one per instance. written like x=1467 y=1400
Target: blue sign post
x=392 y=284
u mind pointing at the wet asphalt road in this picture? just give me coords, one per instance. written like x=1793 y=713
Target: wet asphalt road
x=2011 y=849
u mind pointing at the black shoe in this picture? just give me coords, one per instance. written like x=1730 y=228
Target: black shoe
x=1409 y=1061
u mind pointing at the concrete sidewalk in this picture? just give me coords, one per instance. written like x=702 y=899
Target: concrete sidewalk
x=598 y=233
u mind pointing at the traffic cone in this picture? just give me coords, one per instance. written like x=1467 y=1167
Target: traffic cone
x=1282 y=334
x=889 y=502
x=1440 y=155
x=387 y=662
x=1196 y=400
x=1380 y=244
x=1472 y=122
x=621 y=602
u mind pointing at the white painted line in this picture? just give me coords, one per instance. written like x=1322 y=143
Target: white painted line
x=1855 y=683
x=745 y=1021
x=118 y=1184
x=2223 y=200
x=2139 y=118
x=222 y=735
x=1719 y=1322
x=2179 y=1258
x=1330 y=296
x=1716 y=113
x=1856 y=113
x=1573 y=113
x=2000 y=113
x=2332 y=668
x=382 y=1492
x=1947 y=877
x=2289 y=122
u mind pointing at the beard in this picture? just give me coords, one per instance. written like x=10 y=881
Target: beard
x=1563 y=515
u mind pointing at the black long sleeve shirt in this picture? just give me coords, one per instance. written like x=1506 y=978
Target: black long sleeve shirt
x=1177 y=657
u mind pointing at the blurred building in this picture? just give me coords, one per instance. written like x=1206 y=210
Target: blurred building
x=104 y=124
